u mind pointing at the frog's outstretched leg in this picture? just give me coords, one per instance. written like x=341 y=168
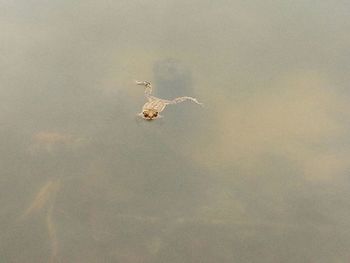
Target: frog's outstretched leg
x=148 y=88
x=182 y=99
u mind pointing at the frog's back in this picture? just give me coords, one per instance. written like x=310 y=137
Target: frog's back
x=155 y=104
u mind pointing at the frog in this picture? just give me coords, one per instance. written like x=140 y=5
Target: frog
x=154 y=106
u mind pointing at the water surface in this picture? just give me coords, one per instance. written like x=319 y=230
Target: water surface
x=260 y=174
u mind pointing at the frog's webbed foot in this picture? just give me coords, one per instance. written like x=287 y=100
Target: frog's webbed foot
x=144 y=83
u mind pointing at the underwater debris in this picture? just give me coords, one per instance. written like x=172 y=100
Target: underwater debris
x=45 y=194
x=50 y=141
x=51 y=228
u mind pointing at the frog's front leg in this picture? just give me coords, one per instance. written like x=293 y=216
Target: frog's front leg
x=148 y=88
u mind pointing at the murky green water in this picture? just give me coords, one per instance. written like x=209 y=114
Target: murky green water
x=260 y=174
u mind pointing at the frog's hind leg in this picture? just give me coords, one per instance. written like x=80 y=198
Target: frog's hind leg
x=182 y=99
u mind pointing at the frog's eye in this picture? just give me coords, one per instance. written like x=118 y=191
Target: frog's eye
x=155 y=114
x=145 y=114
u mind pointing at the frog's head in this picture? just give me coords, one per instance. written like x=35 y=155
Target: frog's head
x=150 y=114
